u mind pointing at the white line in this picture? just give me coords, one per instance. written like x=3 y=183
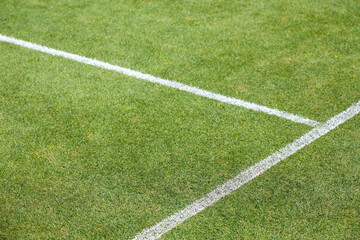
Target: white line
x=169 y=223
x=172 y=84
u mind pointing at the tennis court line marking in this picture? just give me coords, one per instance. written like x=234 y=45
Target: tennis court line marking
x=168 y=83
x=221 y=191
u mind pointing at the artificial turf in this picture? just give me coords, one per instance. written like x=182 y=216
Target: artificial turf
x=89 y=153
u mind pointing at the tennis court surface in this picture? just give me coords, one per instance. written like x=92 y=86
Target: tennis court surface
x=179 y=119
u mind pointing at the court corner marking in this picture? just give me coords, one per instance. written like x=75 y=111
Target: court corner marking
x=225 y=189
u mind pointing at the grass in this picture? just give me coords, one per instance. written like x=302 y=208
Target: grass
x=284 y=54
x=88 y=153
x=113 y=149
x=311 y=195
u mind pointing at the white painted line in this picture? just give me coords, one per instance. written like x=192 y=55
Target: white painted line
x=169 y=223
x=168 y=83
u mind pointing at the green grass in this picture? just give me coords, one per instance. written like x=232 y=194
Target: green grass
x=312 y=195
x=296 y=56
x=113 y=149
x=89 y=153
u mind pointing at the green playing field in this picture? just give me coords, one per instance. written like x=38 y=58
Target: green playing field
x=91 y=153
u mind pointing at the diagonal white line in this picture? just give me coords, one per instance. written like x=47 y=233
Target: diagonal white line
x=171 y=222
x=168 y=83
